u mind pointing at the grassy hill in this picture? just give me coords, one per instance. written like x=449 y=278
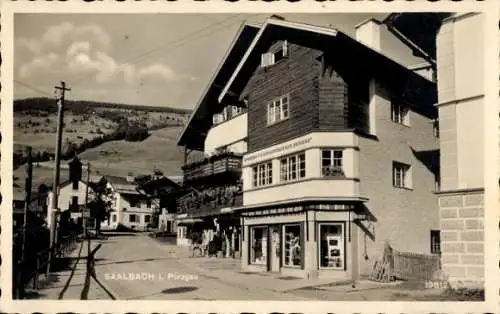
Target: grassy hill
x=158 y=151
x=35 y=121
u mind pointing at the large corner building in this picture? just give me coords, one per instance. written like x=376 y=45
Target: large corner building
x=329 y=145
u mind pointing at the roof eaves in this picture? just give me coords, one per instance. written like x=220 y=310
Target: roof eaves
x=212 y=79
x=271 y=21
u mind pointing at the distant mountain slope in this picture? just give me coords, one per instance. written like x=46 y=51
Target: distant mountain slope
x=158 y=151
x=80 y=106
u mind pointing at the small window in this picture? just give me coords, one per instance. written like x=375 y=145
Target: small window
x=236 y=111
x=132 y=218
x=134 y=203
x=435 y=242
x=435 y=128
x=74 y=202
x=293 y=167
x=113 y=218
x=262 y=174
x=331 y=163
x=270 y=58
x=278 y=110
x=400 y=114
x=147 y=219
x=400 y=175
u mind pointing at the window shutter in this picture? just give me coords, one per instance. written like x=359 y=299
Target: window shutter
x=267 y=59
x=285 y=48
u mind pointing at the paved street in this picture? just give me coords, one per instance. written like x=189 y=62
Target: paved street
x=167 y=272
x=135 y=266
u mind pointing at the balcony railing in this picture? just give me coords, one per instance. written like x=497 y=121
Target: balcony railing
x=332 y=171
x=210 y=200
x=217 y=164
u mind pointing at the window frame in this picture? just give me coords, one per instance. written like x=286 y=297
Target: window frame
x=400 y=113
x=147 y=219
x=282 y=245
x=435 y=238
x=291 y=167
x=130 y=218
x=401 y=173
x=335 y=162
x=275 y=111
x=262 y=174
x=251 y=255
x=344 y=244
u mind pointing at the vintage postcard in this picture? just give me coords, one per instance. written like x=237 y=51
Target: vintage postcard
x=312 y=156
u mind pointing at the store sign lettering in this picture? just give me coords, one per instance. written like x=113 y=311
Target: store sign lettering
x=280 y=149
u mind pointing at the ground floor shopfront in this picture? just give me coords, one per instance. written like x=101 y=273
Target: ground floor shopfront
x=226 y=226
x=312 y=241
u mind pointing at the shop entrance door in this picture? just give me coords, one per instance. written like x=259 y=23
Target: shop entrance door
x=275 y=253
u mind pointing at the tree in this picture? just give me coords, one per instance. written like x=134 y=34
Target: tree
x=101 y=205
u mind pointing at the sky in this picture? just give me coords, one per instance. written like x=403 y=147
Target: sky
x=141 y=59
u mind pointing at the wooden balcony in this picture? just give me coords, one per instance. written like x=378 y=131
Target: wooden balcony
x=210 y=201
x=217 y=165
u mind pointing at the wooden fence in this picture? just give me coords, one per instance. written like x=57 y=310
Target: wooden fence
x=28 y=270
x=413 y=266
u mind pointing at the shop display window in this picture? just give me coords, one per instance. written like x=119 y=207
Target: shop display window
x=258 y=250
x=292 y=254
x=331 y=244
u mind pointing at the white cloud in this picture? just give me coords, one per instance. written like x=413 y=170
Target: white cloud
x=95 y=32
x=55 y=34
x=81 y=53
x=39 y=63
x=32 y=45
x=158 y=71
x=78 y=47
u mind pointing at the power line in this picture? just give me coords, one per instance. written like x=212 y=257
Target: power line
x=199 y=33
x=33 y=88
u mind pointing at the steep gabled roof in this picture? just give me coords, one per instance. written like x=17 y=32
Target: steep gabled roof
x=360 y=59
x=194 y=133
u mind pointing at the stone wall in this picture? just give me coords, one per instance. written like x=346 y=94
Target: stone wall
x=462 y=237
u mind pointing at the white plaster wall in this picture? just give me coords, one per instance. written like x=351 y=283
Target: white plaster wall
x=232 y=131
x=316 y=188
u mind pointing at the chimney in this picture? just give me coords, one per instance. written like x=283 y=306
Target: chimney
x=368 y=32
x=75 y=170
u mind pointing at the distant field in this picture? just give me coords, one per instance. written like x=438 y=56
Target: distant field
x=159 y=151
x=27 y=132
x=40 y=175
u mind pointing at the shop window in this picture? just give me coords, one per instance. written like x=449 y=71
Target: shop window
x=262 y=174
x=292 y=255
x=331 y=246
x=293 y=167
x=331 y=163
x=258 y=242
x=435 y=241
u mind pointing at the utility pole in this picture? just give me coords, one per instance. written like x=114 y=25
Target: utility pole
x=60 y=93
x=27 y=188
x=86 y=207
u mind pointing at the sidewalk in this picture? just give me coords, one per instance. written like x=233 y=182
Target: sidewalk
x=68 y=282
x=228 y=270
